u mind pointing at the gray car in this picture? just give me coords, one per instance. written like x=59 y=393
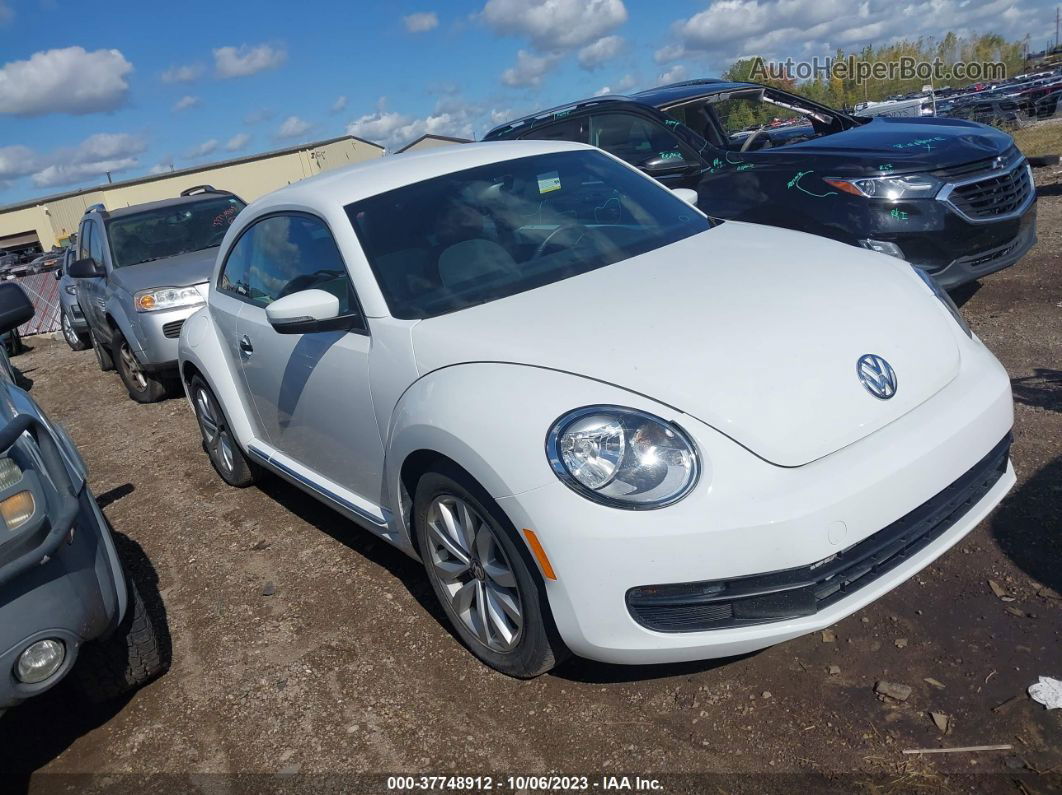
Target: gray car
x=65 y=596
x=141 y=271
x=71 y=319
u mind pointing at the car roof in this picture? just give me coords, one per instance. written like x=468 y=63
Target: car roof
x=658 y=97
x=174 y=202
x=342 y=186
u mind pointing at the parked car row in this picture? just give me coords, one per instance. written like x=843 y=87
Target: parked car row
x=609 y=418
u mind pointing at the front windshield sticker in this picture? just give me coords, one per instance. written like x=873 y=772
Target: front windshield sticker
x=550 y=181
x=795 y=183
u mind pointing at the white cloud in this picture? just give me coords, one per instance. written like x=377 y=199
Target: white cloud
x=340 y=104
x=93 y=157
x=164 y=166
x=529 y=69
x=672 y=75
x=70 y=80
x=186 y=102
x=421 y=22
x=183 y=74
x=246 y=60
x=206 y=148
x=16 y=161
x=501 y=115
x=237 y=142
x=598 y=52
x=292 y=127
x=553 y=25
x=393 y=130
x=626 y=83
x=727 y=29
x=603 y=91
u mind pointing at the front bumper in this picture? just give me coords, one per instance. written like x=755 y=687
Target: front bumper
x=157 y=335
x=748 y=517
x=68 y=587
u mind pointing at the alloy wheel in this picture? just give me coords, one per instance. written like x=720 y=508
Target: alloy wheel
x=132 y=367
x=216 y=436
x=68 y=330
x=475 y=574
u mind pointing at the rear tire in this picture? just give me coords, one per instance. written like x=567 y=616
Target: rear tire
x=495 y=602
x=219 y=443
x=103 y=356
x=143 y=387
x=77 y=342
x=129 y=658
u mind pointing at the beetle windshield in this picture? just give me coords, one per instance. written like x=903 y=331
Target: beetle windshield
x=169 y=231
x=492 y=231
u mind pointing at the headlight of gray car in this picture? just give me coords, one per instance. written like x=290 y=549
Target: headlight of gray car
x=166 y=298
x=622 y=457
x=945 y=299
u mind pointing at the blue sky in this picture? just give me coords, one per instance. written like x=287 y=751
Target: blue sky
x=132 y=86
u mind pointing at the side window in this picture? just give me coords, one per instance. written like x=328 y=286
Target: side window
x=95 y=244
x=636 y=140
x=283 y=254
x=83 y=240
x=573 y=129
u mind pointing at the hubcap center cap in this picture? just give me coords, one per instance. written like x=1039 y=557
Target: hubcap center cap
x=477 y=571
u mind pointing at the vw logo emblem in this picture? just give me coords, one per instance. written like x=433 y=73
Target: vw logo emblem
x=877 y=376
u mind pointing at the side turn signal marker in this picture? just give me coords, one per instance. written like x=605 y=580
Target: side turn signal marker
x=540 y=554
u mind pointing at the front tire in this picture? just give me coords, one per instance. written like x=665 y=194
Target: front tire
x=142 y=386
x=483 y=577
x=129 y=658
x=77 y=342
x=219 y=443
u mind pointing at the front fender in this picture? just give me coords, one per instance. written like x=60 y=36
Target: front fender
x=119 y=314
x=492 y=419
x=200 y=346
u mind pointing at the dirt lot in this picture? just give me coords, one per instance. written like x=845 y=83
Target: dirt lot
x=348 y=667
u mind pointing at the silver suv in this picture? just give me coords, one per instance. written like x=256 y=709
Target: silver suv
x=141 y=271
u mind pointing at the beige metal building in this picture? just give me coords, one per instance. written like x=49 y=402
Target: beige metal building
x=429 y=141
x=50 y=221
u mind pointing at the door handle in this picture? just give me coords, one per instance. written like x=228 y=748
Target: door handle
x=245 y=345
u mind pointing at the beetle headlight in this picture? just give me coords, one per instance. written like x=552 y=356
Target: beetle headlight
x=945 y=299
x=622 y=457
x=166 y=298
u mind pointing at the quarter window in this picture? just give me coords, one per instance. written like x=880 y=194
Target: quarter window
x=283 y=254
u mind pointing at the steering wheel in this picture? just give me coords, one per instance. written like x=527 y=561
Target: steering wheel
x=749 y=139
x=541 y=249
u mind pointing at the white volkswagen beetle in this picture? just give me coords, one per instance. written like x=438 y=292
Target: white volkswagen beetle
x=606 y=424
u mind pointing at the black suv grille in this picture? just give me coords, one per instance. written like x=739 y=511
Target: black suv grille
x=762 y=598
x=172 y=330
x=995 y=195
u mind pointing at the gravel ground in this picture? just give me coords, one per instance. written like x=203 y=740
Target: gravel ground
x=349 y=668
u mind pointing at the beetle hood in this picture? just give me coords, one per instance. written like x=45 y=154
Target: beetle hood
x=753 y=330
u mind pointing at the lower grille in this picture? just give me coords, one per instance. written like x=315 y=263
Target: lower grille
x=762 y=598
x=173 y=329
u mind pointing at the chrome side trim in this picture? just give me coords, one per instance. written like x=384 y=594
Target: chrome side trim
x=282 y=469
x=945 y=193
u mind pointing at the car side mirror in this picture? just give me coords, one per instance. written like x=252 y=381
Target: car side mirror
x=58 y=274
x=15 y=307
x=86 y=269
x=687 y=195
x=305 y=312
x=665 y=164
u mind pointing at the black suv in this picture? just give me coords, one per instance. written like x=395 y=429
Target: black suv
x=951 y=196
